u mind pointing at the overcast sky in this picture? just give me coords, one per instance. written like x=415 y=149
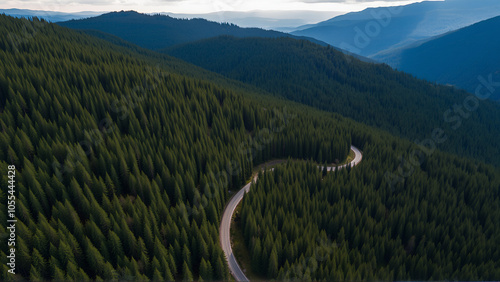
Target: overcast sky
x=196 y=6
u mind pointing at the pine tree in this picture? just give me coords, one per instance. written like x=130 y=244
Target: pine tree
x=272 y=270
x=205 y=270
x=186 y=272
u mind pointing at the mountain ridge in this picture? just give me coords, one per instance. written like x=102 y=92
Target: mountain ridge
x=375 y=29
x=457 y=58
x=325 y=78
x=150 y=31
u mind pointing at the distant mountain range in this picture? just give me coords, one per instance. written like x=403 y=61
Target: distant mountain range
x=457 y=58
x=48 y=15
x=379 y=29
x=156 y=32
x=284 y=21
x=415 y=38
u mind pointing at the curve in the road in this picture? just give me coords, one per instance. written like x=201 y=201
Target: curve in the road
x=225 y=226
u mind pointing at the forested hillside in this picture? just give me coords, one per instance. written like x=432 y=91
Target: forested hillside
x=121 y=165
x=124 y=165
x=300 y=223
x=159 y=31
x=369 y=93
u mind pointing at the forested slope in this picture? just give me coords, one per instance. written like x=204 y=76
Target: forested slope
x=123 y=166
x=303 y=224
x=157 y=32
x=369 y=93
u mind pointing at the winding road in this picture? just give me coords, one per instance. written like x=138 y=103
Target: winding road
x=225 y=226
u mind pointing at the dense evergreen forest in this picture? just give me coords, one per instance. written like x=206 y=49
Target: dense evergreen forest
x=300 y=223
x=373 y=94
x=124 y=166
x=119 y=163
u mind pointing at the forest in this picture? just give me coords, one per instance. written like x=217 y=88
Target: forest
x=373 y=94
x=126 y=158
x=157 y=32
x=300 y=223
x=119 y=161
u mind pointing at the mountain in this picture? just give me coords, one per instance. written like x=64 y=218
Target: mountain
x=48 y=15
x=276 y=20
x=118 y=163
x=381 y=29
x=160 y=31
x=118 y=155
x=457 y=58
x=369 y=93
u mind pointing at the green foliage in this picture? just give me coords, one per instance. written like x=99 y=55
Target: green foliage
x=373 y=94
x=123 y=167
x=352 y=225
x=121 y=164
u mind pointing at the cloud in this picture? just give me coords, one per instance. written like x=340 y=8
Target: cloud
x=346 y=1
x=200 y=6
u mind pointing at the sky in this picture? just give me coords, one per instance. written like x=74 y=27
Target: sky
x=197 y=6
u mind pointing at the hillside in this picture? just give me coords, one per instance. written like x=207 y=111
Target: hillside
x=381 y=29
x=160 y=31
x=123 y=166
x=345 y=227
x=457 y=58
x=369 y=93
